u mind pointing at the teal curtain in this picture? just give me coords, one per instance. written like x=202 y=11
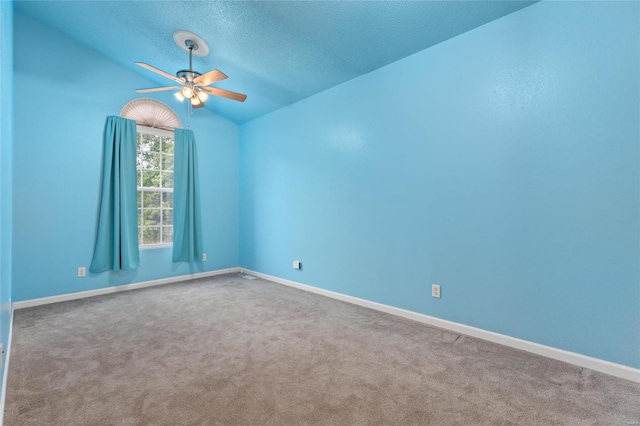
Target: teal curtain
x=117 y=241
x=187 y=228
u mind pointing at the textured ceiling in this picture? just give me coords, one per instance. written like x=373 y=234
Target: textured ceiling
x=276 y=52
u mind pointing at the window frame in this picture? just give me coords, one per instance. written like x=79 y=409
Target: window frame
x=140 y=129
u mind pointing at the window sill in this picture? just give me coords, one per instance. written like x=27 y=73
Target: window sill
x=155 y=246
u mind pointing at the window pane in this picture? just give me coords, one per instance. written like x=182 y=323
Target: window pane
x=151 y=199
x=151 y=235
x=167 y=234
x=167 y=217
x=139 y=141
x=167 y=179
x=139 y=217
x=148 y=143
x=140 y=242
x=151 y=179
x=149 y=160
x=167 y=200
x=167 y=162
x=167 y=145
x=151 y=217
x=139 y=199
x=155 y=142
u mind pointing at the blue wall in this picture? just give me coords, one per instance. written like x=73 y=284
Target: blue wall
x=66 y=92
x=502 y=164
x=6 y=168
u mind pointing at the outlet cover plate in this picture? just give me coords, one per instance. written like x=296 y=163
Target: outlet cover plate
x=435 y=291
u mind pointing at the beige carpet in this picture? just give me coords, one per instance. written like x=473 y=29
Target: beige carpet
x=229 y=351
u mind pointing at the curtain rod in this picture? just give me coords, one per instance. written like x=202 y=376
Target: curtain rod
x=169 y=129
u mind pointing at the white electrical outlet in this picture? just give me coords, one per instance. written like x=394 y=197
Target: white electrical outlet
x=297 y=264
x=435 y=291
x=204 y=257
x=82 y=271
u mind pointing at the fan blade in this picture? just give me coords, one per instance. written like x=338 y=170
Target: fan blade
x=225 y=93
x=158 y=89
x=159 y=71
x=210 y=77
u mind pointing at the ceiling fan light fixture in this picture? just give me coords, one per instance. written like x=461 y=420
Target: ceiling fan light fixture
x=202 y=96
x=179 y=96
x=195 y=101
x=187 y=92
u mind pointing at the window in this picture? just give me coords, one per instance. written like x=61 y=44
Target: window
x=155 y=186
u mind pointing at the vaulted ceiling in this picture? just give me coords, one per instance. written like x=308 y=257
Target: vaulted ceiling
x=276 y=52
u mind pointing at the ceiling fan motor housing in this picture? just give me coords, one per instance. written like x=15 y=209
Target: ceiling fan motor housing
x=188 y=75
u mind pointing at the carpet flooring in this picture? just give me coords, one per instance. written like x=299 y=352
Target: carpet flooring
x=230 y=351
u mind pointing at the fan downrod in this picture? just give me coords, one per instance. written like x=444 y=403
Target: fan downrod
x=189 y=75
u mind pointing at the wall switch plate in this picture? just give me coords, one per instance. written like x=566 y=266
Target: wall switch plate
x=82 y=271
x=204 y=257
x=297 y=264
x=435 y=291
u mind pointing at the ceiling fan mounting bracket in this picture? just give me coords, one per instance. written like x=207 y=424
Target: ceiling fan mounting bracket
x=191 y=45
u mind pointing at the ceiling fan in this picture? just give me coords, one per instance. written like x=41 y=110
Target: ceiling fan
x=192 y=85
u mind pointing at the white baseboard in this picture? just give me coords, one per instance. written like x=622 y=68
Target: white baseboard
x=613 y=369
x=5 y=371
x=115 y=289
